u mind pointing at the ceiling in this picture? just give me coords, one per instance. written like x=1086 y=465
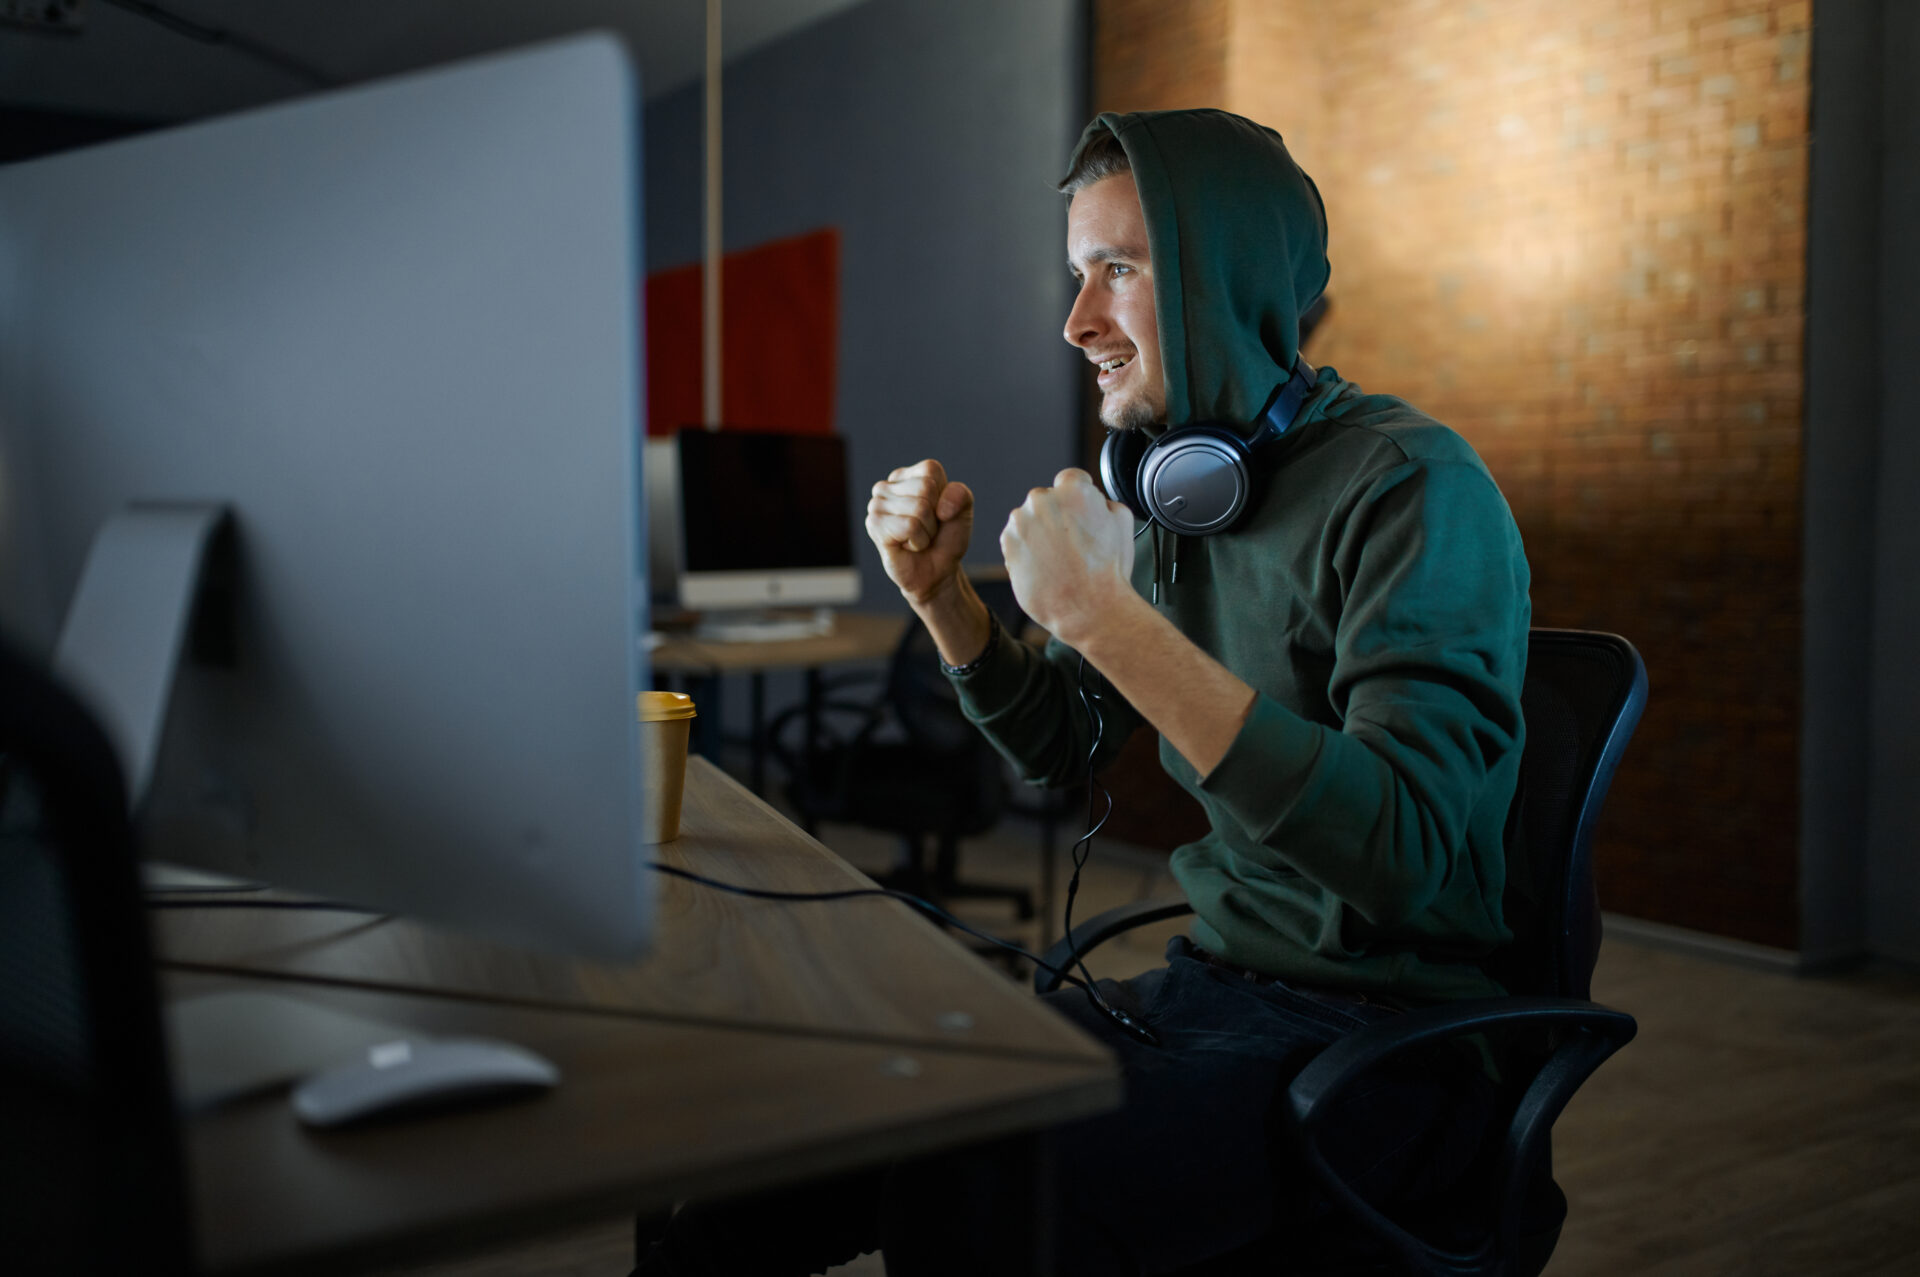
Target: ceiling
x=122 y=63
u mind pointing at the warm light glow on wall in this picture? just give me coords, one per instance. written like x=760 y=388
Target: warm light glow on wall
x=1574 y=230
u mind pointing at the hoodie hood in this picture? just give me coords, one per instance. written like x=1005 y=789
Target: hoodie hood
x=1239 y=242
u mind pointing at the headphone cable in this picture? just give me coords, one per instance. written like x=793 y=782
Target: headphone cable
x=1081 y=853
x=1083 y=849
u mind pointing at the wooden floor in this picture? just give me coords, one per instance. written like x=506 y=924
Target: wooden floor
x=1760 y=1124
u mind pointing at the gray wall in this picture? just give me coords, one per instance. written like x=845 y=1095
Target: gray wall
x=929 y=131
x=1860 y=883
x=930 y=134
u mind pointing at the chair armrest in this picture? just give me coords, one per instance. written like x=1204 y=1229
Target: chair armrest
x=1334 y=1069
x=1099 y=929
x=1593 y=1033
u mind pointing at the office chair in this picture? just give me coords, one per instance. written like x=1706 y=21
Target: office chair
x=91 y=1176
x=905 y=761
x=1582 y=698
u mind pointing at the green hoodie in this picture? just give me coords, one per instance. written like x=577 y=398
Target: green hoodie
x=1375 y=599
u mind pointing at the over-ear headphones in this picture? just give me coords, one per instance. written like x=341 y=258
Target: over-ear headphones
x=1196 y=480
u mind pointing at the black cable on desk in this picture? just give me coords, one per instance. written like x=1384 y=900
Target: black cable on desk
x=924 y=906
x=317 y=906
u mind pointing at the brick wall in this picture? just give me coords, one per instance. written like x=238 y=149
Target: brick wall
x=1159 y=54
x=1274 y=75
x=1575 y=231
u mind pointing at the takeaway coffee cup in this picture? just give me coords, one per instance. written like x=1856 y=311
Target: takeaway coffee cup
x=665 y=718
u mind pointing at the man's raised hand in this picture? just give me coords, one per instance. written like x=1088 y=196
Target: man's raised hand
x=921 y=524
x=1069 y=554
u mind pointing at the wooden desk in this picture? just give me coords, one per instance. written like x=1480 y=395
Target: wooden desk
x=761 y=1043
x=857 y=636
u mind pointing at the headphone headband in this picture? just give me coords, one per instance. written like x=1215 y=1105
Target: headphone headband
x=1286 y=404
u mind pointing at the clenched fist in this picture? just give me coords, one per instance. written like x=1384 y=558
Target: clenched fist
x=921 y=523
x=1069 y=554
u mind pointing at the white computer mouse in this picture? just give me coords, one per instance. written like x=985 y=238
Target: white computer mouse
x=412 y=1074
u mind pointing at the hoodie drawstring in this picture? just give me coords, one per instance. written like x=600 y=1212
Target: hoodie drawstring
x=1156 y=563
x=1172 y=561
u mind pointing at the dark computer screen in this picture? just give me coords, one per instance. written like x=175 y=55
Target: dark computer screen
x=755 y=501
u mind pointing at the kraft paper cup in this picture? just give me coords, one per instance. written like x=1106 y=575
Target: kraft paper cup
x=665 y=719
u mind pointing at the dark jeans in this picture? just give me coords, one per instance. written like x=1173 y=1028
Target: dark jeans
x=1196 y=1164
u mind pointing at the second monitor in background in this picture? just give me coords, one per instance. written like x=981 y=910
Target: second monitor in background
x=765 y=524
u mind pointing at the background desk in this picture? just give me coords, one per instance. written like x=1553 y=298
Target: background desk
x=856 y=637
x=761 y=1043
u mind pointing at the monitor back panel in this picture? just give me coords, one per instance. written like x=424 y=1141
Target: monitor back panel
x=396 y=329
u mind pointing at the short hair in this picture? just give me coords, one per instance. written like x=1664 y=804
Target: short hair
x=1101 y=158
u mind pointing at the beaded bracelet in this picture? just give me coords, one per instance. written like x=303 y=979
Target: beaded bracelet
x=986 y=653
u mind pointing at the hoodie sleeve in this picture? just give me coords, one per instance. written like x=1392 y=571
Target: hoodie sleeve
x=1028 y=703
x=1429 y=652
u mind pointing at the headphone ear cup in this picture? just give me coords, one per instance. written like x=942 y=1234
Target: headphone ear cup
x=1196 y=480
x=1120 y=470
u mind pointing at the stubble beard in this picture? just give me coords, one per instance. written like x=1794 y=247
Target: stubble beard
x=1132 y=413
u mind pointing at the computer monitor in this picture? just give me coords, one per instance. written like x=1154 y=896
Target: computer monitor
x=661 y=465
x=395 y=331
x=764 y=520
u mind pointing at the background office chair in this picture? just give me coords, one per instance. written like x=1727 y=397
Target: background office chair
x=905 y=761
x=1582 y=699
x=91 y=1176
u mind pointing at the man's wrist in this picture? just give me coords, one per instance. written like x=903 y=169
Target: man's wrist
x=1105 y=619
x=937 y=596
x=985 y=654
x=959 y=622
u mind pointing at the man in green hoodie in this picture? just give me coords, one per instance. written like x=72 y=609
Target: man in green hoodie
x=1336 y=678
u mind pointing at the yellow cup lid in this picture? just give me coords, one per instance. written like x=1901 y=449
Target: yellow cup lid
x=656 y=707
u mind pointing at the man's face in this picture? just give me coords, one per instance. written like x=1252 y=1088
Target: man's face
x=1112 y=319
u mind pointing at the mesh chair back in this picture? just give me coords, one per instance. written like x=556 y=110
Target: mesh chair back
x=90 y=1168
x=1582 y=698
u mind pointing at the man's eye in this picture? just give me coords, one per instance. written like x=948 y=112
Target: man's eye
x=1117 y=269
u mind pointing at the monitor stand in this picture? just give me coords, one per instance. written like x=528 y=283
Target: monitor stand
x=771 y=625
x=157 y=583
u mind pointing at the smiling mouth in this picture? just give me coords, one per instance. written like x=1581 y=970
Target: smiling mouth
x=1109 y=365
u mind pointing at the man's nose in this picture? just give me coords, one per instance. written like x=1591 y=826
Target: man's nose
x=1083 y=321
